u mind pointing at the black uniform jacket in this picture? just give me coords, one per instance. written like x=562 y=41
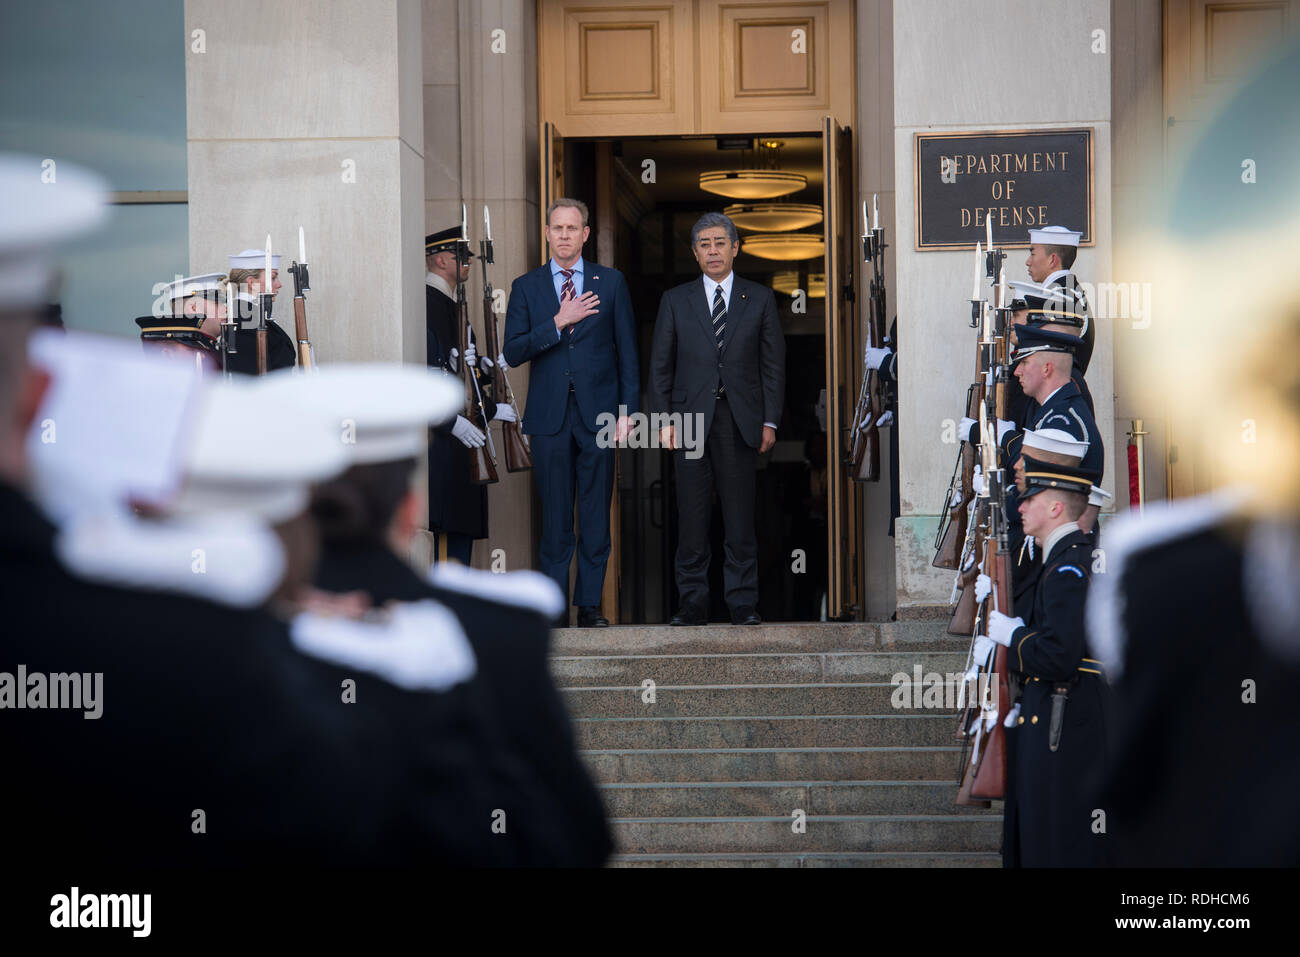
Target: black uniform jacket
x=455 y=503
x=280 y=350
x=554 y=812
x=1206 y=770
x=1055 y=792
x=206 y=751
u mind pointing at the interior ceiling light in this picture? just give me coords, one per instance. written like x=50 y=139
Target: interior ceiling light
x=787 y=281
x=784 y=246
x=763 y=181
x=774 y=217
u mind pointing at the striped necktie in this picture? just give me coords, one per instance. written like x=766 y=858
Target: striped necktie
x=567 y=291
x=719 y=315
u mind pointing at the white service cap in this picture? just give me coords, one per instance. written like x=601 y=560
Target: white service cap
x=252 y=455
x=1053 y=440
x=253 y=259
x=1054 y=236
x=43 y=203
x=382 y=411
x=193 y=285
x=1099 y=496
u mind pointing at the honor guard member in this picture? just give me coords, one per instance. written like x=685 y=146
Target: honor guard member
x=521 y=738
x=1052 y=251
x=1059 y=723
x=1052 y=308
x=458 y=508
x=885 y=361
x=248 y=274
x=197 y=309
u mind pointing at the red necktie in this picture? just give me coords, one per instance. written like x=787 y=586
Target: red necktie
x=567 y=291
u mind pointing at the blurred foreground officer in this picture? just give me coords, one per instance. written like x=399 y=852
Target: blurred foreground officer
x=170 y=735
x=506 y=726
x=1059 y=756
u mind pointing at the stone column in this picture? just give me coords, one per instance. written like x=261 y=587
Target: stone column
x=998 y=64
x=310 y=114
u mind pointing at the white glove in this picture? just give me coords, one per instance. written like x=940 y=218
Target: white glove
x=876 y=356
x=977 y=480
x=1003 y=428
x=1001 y=628
x=956 y=499
x=964 y=428
x=983 y=585
x=471 y=355
x=504 y=413
x=886 y=419
x=983 y=645
x=1014 y=713
x=501 y=362
x=470 y=435
x=454 y=359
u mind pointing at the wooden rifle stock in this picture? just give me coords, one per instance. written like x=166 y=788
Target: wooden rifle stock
x=300 y=329
x=518 y=456
x=991 y=773
x=482 y=468
x=261 y=350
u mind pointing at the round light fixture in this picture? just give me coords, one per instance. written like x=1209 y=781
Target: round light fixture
x=787 y=281
x=785 y=246
x=774 y=217
x=752 y=183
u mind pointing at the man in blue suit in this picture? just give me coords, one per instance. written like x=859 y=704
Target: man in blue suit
x=572 y=319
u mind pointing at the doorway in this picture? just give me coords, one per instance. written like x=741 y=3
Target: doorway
x=644 y=195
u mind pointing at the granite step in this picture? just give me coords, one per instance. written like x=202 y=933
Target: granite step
x=790 y=731
x=877 y=833
x=777 y=798
x=661 y=765
x=682 y=701
x=748 y=668
x=847 y=859
x=774 y=638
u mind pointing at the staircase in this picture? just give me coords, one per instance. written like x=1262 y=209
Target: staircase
x=748 y=725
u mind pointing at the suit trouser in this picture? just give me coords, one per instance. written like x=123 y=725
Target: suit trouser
x=564 y=461
x=732 y=463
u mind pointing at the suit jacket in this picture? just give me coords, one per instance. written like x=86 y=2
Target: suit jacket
x=686 y=367
x=597 y=355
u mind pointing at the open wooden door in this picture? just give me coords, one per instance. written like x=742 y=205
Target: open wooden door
x=844 y=594
x=551 y=168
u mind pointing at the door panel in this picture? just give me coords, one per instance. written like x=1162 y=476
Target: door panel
x=552 y=172
x=844 y=512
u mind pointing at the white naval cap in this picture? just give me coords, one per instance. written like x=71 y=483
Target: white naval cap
x=1054 y=236
x=382 y=411
x=253 y=259
x=111 y=425
x=252 y=455
x=43 y=205
x=1054 y=440
x=1052 y=293
x=209 y=282
x=1099 y=496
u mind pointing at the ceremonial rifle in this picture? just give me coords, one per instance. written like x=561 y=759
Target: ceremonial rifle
x=985 y=720
x=267 y=298
x=229 y=331
x=865 y=432
x=518 y=456
x=301 y=283
x=482 y=460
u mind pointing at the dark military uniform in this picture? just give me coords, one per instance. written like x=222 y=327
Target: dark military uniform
x=281 y=353
x=554 y=813
x=457 y=506
x=199 y=712
x=1200 y=776
x=1070 y=283
x=1054 y=792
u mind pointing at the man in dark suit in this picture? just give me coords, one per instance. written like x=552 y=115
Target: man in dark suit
x=458 y=509
x=572 y=320
x=719 y=356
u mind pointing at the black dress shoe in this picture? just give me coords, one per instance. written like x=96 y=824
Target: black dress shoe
x=689 y=615
x=589 y=616
x=745 y=616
